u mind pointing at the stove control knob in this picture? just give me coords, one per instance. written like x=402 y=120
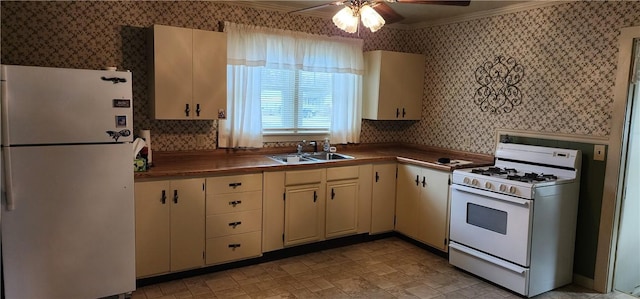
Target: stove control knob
x=488 y=185
x=474 y=182
x=512 y=190
x=503 y=188
x=466 y=181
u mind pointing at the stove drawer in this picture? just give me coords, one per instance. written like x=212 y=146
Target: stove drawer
x=501 y=272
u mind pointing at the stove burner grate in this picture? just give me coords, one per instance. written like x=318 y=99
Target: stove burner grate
x=494 y=171
x=532 y=177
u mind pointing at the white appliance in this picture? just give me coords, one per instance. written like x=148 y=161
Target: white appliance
x=67 y=209
x=514 y=223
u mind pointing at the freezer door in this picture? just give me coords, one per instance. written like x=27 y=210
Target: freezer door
x=71 y=234
x=63 y=106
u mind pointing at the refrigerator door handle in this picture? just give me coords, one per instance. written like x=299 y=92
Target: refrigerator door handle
x=8 y=180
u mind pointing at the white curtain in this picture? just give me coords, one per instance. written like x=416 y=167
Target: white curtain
x=249 y=48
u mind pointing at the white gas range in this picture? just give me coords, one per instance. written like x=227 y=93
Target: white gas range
x=514 y=223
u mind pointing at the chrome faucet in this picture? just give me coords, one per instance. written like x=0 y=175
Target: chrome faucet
x=300 y=146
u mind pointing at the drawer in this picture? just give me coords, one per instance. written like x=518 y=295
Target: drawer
x=233 y=247
x=501 y=272
x=233 y=202
x=233 y=223
x=234 y=183
x=343 y=173
x=301 y=177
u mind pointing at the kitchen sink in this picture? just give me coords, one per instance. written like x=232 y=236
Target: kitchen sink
x=309 y=157
x=328 y=156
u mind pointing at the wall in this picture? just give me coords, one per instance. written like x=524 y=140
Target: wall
x=569 y=54
x=568 y=51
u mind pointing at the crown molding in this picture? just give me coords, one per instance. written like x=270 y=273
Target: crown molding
x=482 y=14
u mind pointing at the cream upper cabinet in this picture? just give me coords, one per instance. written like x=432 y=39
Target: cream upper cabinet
x=188 y=73
x=393 y=85
x=422 y=202
x=169 y=226
x=383 y=198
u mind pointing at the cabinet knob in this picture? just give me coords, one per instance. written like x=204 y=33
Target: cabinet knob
x=397 y=112
x=403 y=113
x=175 y=196
x=163 y=199
x=234 y=224
x=333 y=194
x=198 y=110
x=235 y=203
x=424 y=181
x=187 y=110
x=234 y=246
x=377 y=177
x=315 y=196
x=417 y=180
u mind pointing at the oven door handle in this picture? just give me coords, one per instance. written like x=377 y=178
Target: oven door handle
x=488 y=258
x=492 y=195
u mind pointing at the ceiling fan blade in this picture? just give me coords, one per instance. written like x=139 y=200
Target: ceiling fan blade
x=334 y=3
x=438 y=2
x=387 y=13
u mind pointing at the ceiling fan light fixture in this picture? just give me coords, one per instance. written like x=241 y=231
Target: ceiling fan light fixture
x=346 y=20
x=370 y=18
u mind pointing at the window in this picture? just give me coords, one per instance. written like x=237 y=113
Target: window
x=285 y=84
x=295 y=101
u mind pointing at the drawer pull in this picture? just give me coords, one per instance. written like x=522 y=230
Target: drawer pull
x=235 y=203
x=234 y=246
x=234 y=224
x=163 y=199
x=235 y=185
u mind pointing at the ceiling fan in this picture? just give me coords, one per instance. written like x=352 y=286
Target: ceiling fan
x=373 y=13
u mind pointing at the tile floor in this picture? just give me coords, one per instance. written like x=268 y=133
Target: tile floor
x=386 y=268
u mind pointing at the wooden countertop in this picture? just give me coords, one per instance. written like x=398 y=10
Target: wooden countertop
x=208 y=163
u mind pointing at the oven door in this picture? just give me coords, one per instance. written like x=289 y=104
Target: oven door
x=493 y=223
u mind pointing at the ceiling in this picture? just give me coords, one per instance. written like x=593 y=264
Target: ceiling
x=414 y=14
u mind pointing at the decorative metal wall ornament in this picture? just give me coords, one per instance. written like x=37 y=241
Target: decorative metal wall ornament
x=498 y=92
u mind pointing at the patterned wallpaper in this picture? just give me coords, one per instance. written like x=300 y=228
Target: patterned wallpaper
x=569 y=53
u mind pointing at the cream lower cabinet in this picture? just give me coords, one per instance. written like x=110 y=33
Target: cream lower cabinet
x=422 y=201
x=233 y=218
x=169 y=226
x=304 y=206
x=342 y=201
x=383 y=198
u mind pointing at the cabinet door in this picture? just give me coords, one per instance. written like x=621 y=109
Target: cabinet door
x=273 y=211
x=152 y=228
x=342 y=208
x=407 y=194
x=383 y=200
x=433 y=208
x=187 y=223
x=303 y=214
x=209 y=74
x=173 y=73
x=393 y=85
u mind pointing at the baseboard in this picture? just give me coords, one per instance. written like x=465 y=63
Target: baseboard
x=583 y=281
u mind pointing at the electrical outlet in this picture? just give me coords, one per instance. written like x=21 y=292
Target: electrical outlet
x=599 y=152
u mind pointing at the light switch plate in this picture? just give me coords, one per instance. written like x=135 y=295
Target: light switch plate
x=598 y=152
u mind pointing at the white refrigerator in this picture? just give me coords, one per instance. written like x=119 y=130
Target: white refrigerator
x=67 y=217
